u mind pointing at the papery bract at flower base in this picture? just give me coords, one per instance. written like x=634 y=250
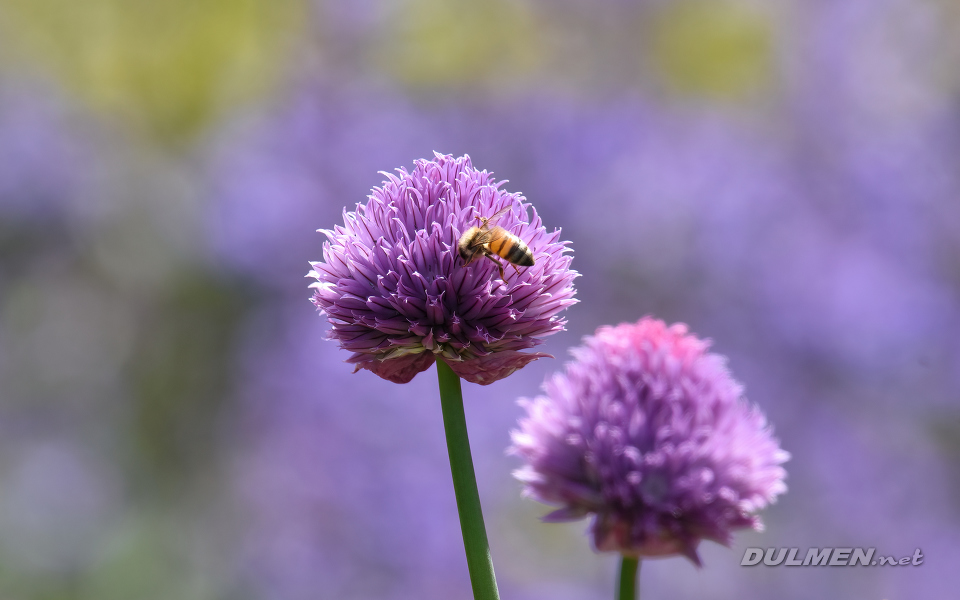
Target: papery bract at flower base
x=398 y=295
x=648 y=432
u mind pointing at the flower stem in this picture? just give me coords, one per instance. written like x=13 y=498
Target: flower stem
x=627 y=587
x=475 y=543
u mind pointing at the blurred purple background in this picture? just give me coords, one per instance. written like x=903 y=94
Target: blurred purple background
x=784 y=177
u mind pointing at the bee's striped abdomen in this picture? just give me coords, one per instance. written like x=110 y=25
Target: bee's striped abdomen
x=499 y=242
x=519 y=253
x=510 y=247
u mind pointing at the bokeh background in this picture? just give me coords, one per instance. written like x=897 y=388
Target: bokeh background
x=782 y=176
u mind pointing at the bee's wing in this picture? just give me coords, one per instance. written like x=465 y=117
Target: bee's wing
x=487 y=220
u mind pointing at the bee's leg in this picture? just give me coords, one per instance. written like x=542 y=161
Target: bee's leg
x=515 y=268
x=499 y=265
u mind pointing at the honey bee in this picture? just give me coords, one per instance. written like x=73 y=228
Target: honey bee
x=488 y=241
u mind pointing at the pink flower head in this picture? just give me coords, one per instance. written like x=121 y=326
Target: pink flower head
x=649 y=433
x=398 y=295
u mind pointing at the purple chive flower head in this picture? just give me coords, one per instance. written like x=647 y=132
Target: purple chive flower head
x=398 y=295
x=649 y=433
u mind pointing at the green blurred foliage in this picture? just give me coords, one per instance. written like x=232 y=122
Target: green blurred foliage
x=945 y=432
x=719 y=50
x=179 y=374
x=172 y=66
x=169 y=65
x=21 y=241
x=460 y=44
x=151 y=557
x=148 y=556
x=715 y=50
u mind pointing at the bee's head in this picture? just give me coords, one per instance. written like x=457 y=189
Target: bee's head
x=466 y=241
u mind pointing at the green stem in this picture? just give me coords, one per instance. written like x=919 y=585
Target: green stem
x=627 y=587
x=475 y=544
